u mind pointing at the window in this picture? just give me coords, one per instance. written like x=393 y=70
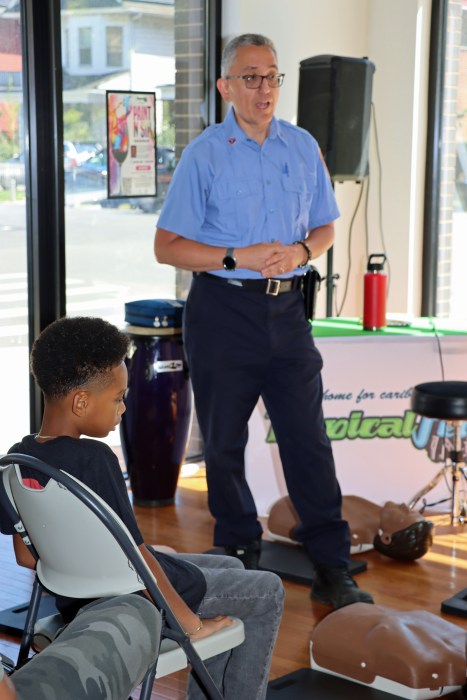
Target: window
x=114 y=44
x=14 y=418
x=452 y=239
x=166 y=34
x=85 y=46
x=66 y=48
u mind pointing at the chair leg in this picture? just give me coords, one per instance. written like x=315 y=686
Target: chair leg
x=202 y=675
x=31 y=617
x=147 y=684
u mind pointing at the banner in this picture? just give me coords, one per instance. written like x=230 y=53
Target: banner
x=131 y=144
x=383 y=451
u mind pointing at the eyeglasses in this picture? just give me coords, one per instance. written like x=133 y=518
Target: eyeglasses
x=254 y=81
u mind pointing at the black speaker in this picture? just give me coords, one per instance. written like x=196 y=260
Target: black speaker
x=334 y=105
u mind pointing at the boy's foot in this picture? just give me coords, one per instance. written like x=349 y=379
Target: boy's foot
x=336 y=586
x=247 y=553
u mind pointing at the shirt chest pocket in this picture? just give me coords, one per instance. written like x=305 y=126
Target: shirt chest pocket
x=238 y=202
x=299 y=196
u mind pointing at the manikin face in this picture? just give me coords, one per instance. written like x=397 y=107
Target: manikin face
x=105 y=406
x=254 y=109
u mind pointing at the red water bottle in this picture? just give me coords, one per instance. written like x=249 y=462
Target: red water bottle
x=374 y=293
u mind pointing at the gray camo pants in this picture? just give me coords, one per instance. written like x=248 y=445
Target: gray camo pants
x=104 y=652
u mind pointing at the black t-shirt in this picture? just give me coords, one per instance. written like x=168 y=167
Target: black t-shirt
x=94 y=463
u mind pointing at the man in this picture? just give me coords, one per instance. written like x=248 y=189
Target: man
x=250 y=205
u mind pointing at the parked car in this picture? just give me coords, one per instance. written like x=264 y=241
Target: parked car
x=86 y=149
x=74 y=154
x=94 y=169
x=12 y=172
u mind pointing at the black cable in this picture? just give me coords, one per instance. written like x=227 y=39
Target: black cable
x=438 y=342
x=367 y=197
x=349 y=250
x=448 y=485
x=380 y=194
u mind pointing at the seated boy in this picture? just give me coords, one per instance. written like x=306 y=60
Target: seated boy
x=79 y=365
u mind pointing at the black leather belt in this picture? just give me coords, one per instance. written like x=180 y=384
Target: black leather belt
x=270 y=286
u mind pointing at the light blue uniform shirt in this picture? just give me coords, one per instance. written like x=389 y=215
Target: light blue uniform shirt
x=229 y=191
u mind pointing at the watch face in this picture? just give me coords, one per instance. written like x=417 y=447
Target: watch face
x=229 y=263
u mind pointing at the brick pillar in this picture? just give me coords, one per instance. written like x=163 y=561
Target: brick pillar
x=190 y=44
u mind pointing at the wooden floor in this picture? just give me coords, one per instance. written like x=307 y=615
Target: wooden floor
x=187 y=526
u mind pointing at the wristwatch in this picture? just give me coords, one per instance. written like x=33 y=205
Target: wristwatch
x=229 y=262
x=307 y=249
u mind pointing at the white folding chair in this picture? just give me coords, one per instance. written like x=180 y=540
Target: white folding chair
x=84 y=550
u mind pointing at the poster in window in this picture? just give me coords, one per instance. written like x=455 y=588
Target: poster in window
x=131 y=144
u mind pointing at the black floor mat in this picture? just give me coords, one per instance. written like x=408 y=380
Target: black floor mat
x=457 y=605
x=306 y=684
x=290 y=562
x=12 y=620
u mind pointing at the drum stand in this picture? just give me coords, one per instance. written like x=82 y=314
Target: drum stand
x=457 y=469
x=447 y=401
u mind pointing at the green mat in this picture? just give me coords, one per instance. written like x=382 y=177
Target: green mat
x=348 y=327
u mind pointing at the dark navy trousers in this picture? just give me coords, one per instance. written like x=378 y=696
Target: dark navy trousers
x=242 y=344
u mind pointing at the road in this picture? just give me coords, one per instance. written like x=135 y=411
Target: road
x=110 y=260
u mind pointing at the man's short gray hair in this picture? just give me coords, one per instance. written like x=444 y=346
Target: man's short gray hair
x=230 y=50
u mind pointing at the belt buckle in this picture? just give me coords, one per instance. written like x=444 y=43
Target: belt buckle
x=273 y=287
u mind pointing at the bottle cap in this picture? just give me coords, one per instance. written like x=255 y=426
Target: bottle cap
x=376 y=266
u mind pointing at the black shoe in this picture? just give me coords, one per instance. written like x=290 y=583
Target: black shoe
x=247 y=553
x=336 y=586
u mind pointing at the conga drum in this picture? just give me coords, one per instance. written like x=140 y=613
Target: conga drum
x=156 y=424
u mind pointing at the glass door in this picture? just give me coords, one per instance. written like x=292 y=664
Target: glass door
x=14 y=407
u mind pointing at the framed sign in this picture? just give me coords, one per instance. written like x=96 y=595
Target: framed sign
x=131 y=144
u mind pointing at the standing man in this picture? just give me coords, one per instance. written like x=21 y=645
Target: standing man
x=250 y=205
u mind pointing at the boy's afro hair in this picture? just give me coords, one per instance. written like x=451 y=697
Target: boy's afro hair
x=72 y=352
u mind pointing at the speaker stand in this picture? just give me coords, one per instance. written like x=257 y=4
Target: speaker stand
x=329 y=281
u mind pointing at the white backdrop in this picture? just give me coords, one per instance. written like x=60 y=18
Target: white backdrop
x=367 y=385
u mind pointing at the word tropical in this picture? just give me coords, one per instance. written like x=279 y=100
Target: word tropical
x=357 y=425
x=434 y=436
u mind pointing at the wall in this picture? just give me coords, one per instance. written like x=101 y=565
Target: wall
x=393 y=34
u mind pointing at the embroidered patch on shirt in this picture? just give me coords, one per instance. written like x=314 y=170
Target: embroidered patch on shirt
x=232 y=140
